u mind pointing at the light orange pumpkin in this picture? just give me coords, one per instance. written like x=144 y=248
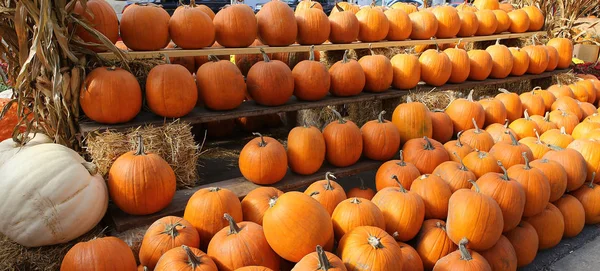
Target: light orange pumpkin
x=502 y=60
x=436 y=67
x=487 y=22
x=520 y=61
x=552 y=58
x=525 y=126
x=519 y=21
x=564 y=119
x=367 y=240
x=468 y=23
x=477 y=138
x=536 y=145
x=574 y=164
x=589 y=150
x=407 y=71
x=481 y=65
x=557 y=137
x=547 y=96
x=424 y=25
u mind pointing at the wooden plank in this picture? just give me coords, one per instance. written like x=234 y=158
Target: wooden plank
x=203 y=115
x=305 y=48
x=240 y=186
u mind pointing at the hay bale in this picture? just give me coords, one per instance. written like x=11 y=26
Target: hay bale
x=16 y=257
x=318 y=117
x=174 y=142
x=361 y=112
x=133 y=238
x=435 y=99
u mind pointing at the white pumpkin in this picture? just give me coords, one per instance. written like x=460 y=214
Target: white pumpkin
x=49 y=195
x=9 y=147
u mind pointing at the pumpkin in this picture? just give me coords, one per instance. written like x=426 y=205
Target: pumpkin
x=135 y=33
x=305 y=150
x=465 y=6
x=468 y=23
x=560 y=91
x=587 y=109
x=385 y=253
x=205 y=211
x=499 y=132
x=461 y=64
x=495 y=112
x=311 y=79
x=456 y=146
x=487 y=22
x=313 y=25
x=344 y=25
x=107 y=253
x=448 y=21
x=274 y=89
x=503 y=21
x=345 y=6
x=463 y=259
x=185 y=36
x=141 y=183
x=378 y=72
x=381 y=139
x=443 y=131
x=549 y=237
x=455 y=174
x=477 y=138
x=263 y=160
x=235 y=240
x=424 y=25
x=538 y=58
x=355 y=212
x=435 y=193
x=547 y=96
x=185 y=258
x=525 y=126
x=535 y=184
x=506 y=7
x=481 y=65
x=220 y=84
x=10 y=119
x=519 y=21
x=343 y=141
x=162 y=98
x=403 y=210
x=510 y=152
x=433 y=243
x=407 y=71
x=276 y=24
x=406 y=171
x=507 y=192
x=574 y=164
x=347 y=77
x=533 y=103
x=525 y=241
x=412 y=114
x=53 y=173
x=584 y=128
x=362 y=191
x=293 y=236
x=573 y=214
x=588 y=195
x=101 y=16
x=400 y=26
x=244 y=62
x=520 y=61
x=580 y=92
x=501 y=256
x=536 y=18
x=306 y=4
x=110 y=95
x=256 y=203
x=436 y=67
x=320 y=259
x=486 y=4
x=590 y=89
x=200 y=60
x=589 y=151
x=565 y=119
x=536 y=146
x=189 y=62
x=236 y=26
x=164 y=234
x=373 y=24
x=567 y=104
x=462 y=111
x=328 y=193
x=502 y=60
x=406 y=7
x=411 y=259
x=9 y=147
x=552 y=58
x=480 y=162
x=425 y=153
x=254 y=268
x=544 y=122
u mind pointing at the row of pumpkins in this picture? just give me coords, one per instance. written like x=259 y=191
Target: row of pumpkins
x=113 y=95
x=434 y=209
x=276 y=24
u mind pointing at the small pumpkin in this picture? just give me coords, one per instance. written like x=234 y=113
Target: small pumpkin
x=463 y=259
x=305 y=150
x=480 y=162
x=184 y=36
x=463 y=111
x=163 y=235
x=165 y=100
x=477 y=138
x=533 y=103
x=327 y=192
x=487 y=22
x=274 y=89
x=381 y=139
x=538 y=58
x=313 y=24
x=549 y=237
x=495 y=111
x=256 y=203
x=589 y=151
x=519 y=21
x=343 y=141
x=373 y=24
x=436 y=67
x=276 y=24
x=456 y=146
x=354 y=212
x=344 y=25
x=378 y=72
x=135 y=33
x=320 y=259
x=525 y=241
x=400 y=26
x=520 y=61
x=590 y=89
x=537 y=147
x=448 y=21
x=503 y=20
x=433 y=243
x=461 y=64
x=367 y=240
x=347 y=77
x=263 y=160
x=221 y=85
x=544 y=122
x=564 y=119
x=536 y=18
x=185 y=258
x=455 y=174
x=588 y=195
x=424 y=25
x=574 y=164
x=502 y=60
x=362 y=191
x=573 y=215
x=468 y=23
x=481 y=65
x=501 y=256
x=587 y=109
x=425 y=153
x=435 y=193
x=406 y=171
x=407 y=71
x=236 y=26
x=580 y=92
x=109 y=253
x=524 y=127
x=509 y=152
x=412 y=114
x=444 y=129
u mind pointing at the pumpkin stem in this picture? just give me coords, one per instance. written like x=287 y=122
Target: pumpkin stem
x=399 y=183
x=324 y=263
x=375 y=242
x=563 y=130
x=272 y=201
x=526 y=115
x=340 y=9
x=437 y=47
x=140 y=147
x=171 y=229
x=428 y=146
x=111 y=68
x=345 y=58
x=524 y=154
x=462 y=165
x=338 y=116
x=409 y=99
x=513 y=139
x=371 y=45
x=262 y=140
x=355 y=200
x=554 y=147
x=213 y=58
x=539 y=140
x=193 y=260
x=458 y=142
x=233 y=227
x=537 y=88
x=477 y=130
x=311 y=56
x=92 y=168
x=362 y=184
x=328 y=175
x=470 y=96
x=380 y=116
x=505 y=175
x=214 y=189
x=497 y=41
x=547 y=116
x=265 y=56
x=459 y=41
x=440 y=225
x=193 y=3
x=475 y=185
x=464 y=253
x=503 y=90
x=505 y=123
x=591 y=184
x=145 y=268
x=402 y=163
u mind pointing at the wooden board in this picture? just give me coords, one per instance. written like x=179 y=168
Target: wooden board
x=306 y=48
x=240 y=186
x=203 y=115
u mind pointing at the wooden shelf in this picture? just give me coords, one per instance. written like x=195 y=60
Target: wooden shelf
x=306 y=48
x=202 y=115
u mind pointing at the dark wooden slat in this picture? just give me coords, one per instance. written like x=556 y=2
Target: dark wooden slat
x=240 y=186
x=202 y=115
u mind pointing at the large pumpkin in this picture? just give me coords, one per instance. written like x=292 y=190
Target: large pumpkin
x=344 y=25
x=320 y=259
x=406 y=172
x=535 y=184
x=107 y=253
x=502 y=60
x=186 y=37
x=481 y=65
x=53 y=174
x=407 y=71
x=436 y=67
x=293 y=236
x=444 y=130
x=347 y=77
x=311 y=79
x=525 y=241
x=573 y=214
x=519 y=21
x=509 y=152
x=166 y=100
x=549 y=237
x=263 y=160
x=589 y=195
x=468 y=23
x=378 y=71
x=327 y=192
x=533 y=103
x=461 y=64
x=435 y=193
x=221 y=85
x=557 y=176
x=9 y=147
x=455 y=174
x=373 y=24
x=277 y=24
x=536 y=18
x=110 y=95
x=477 y=138
x=589 y=150
x=501 y=256
x=433 y=243
x=385 y=253
x=520 y=61
x=164 y=234
x=564 y=47
x=424 y=25
x=412 y=114
x=487 y=22
x=101 y=17
x=538 y=58
x=236 y=25
x=448 y=21
x=343 y=141
x=573 y=163
x=274 y=89
x=463 y=111
x=425 y=153
x=495 y=111
x=463 y=259
x=354 y=212
x=305 y=149
x=313 y=25
x=134 y=28
x=185 y=258
x=480 y=163
x=256 y=203
x=400 y=25
x=381 y=139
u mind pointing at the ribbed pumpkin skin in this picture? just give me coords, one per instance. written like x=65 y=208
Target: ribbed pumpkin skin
x=327 y=192
x=520 y=61
x=304 y=4
x=444 y=129
x=564 y=119
x=524 y=127
x=481 y=163
x=435 y=193
x=461 y=64
x=481 y=65
x=567 y=105
x=549 y=237
x=425 y=153
x=405 y=171
x=263 y=160
x=256 y=203
x=221 y=85
x=538 y=58
x=407 y=222
x=400 y=25
x=536 y=187
x=378 y=71
x=580 y=92
x=501 y=256
x=524 y=240
x=373 y=24
x=561 y=90
x=274 y=89
x=347 y=78
x=282 y=225
x=344 y=26
x=407 y=71
x=503 y=21
x=104 y=20
x=385 y=255
x=536 y=18
x=277 y=24
x=463 y=111
x=589 y=150
x=548 y=98
x=478 y=138
x=412 y=114
x=533 y=103
x=468 y=23
x=433 y=243
x=455 y=174
x=487 y=22
x=424 y=25
x=164 y=234
x=110 y=95
x=456 y=146
x=305 y=150
x=588 y=195
x=590 y=89
x=436 y=67
x=584 y=128
x=343 y=141
x=311 y=80
x=502 y=61
x=381 y=139
x=179 y=258
x=509 y=195
x=456 y=261
x=410 y=257
x=162 y=98
x=135 y=33
x=235 y=26
x=557 y=176
x=499 y=131
x=495 y=112
x=519 y=21
x=312 y=262
x=552 y=58
x=184 y=24
x=573 y=163
x=448 y=21
x=102 y=254
x=573 y=214
x=564 y=47
x=354 y=212
x=313 y=26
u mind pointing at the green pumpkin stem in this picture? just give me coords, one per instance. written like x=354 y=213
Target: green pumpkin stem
x=513 y=139
x=505 y=172
x=193 y=260
x=428 y=146
x=264 y=55
x=402 y=189
x=171 y=229
x=140 y=147
x=338 y=116
x=262 y=139
x=355 y=200
x=375 y=242
x=233 y=227
x=92 y=168
x=591 y=184
x=475 y=185
x=462 y=165
x=464 y=253
x=311 y=56
x=324 y=263
x=380 y=116
x=213 y=58
x=328 y=175
x=401 y=163
x=345 y=58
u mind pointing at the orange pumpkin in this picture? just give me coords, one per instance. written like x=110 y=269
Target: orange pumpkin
x=573 y=214
x=411 y=259
x=10 y=120
x=311 y=79
x=499 y=132
x=520 y=61
x=535 y=184
x=436 y=67
x=590 y=89
x=343 y=141
x=536 y=18
x=503 y=21
x=185 y=258
x=487 y=22
x=589 y=150
x=276 y=24
x=557 y=137
x=164 y=234
x=588 y=195
x=275 y=89
x=510 y=152
x=319 y=259
x=162 y=98
x=480 y=162
x=456 y=146
x=463 y=111
x=102 y=18
x=328 y=193
x=400 y=25
x=367 y=240
x=424 y=25
x=461 y=64
x=304 y=4
x=580 y=92
x=347 y=77
x=506 y=7
x=486 y=4
x=425 y=153
x=535 y=144
x=305 y=150
x=584 y=128
x=502 y=60
x=107 y=253
x=519 y=21
x=433 y=243
x=548 y=97
x=378 y=71
x=587 y=109
x=373 y=24
x=381 y=139
x=569 y=106
x=455 y=174
x=354 y=212
x=549 y=237
x=564 y=119
x=313 y=24
x=538 y=58
x=263 y=160
x=344 y=25
x=362 y=191
x=463 y=259
x=533 y=103
x=448 y=21
x=525 y=126
x=501 y=256
x=525 y=241
x=481 y=65
x=495 y=112
x=477 y=138
x=443 y=131
x=407 y=71
x=407 y=172
x=185 y=36
x=561 y=90
x=135 y=33
x=412 y=114
x=552 y=58
x=435 y=193
x=468 y=23
x=256 y=203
